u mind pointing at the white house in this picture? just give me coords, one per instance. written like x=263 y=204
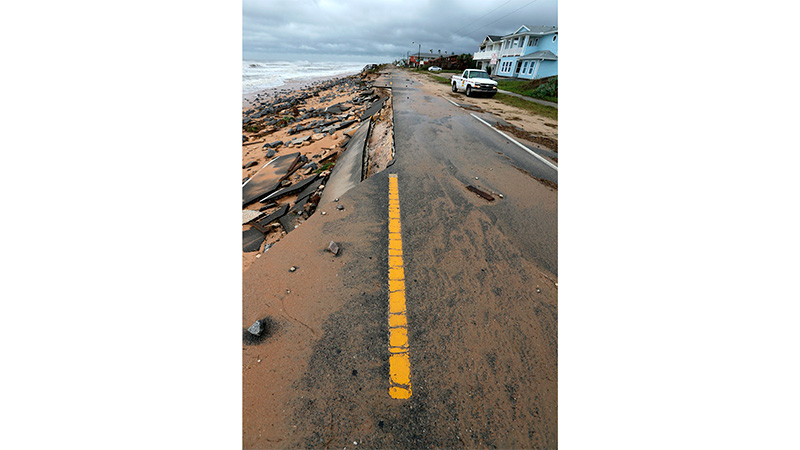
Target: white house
x=528 y=53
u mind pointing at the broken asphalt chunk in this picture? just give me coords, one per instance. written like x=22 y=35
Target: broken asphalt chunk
x=252 y=240
x=333 y=248
x=286 y=222
x=373 y=109
x=255 y=329
x=264 y=223
x=290 y=189
x=481 y=193
x=269 y=178
x=258 y=332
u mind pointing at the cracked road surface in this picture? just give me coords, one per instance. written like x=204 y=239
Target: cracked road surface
x=480 y=288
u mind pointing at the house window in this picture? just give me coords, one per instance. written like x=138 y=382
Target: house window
x=555 y=36
x=530 y=69
x=536 y=41
x=524 y=66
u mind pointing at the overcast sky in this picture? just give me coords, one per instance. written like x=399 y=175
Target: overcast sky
x=380 y=30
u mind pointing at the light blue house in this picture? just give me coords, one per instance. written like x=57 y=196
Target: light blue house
x=528 y=53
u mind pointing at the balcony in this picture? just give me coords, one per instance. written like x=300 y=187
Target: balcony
x=514 y=51
x=484 y=55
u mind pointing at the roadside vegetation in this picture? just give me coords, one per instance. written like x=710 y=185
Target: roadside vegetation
x=438 y=79
x=543 y=88
x=536 y=108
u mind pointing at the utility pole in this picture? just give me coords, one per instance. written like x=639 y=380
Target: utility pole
x=418 y=51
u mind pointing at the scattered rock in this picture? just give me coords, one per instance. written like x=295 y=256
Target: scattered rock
x=270 y=153
x=292 y=269
x=285 y=183
x=255 y=329
x=339 y=207
x=249 y=164
x=333 y=248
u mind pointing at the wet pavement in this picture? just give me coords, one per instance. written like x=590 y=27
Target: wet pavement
x=481 y=300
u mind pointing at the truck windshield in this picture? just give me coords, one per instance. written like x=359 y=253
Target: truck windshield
x=478 y=74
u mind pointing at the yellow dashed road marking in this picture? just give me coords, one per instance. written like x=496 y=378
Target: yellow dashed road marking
x=399 y=363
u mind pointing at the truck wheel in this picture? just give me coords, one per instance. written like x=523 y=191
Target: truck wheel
x=454 y=88
x=469 y=91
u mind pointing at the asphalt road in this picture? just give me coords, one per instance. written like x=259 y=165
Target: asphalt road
x=480 y=295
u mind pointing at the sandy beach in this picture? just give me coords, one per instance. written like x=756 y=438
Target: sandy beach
x=315 y=119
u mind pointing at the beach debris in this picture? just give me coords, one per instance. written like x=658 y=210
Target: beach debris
x=270 y=153
x=252 y=240
x=333 y=248
x=292 y=269
x=340 y=207
x=480 y=193
x=248 y=215
x=268 y=206
x=250 y=164
x=285 y=183
x=269 y=178
x=323 y=213
x=292 y=189
x=265 y=222
x=286 y=223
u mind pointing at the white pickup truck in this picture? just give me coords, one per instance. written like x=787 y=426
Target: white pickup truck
x=474 y=81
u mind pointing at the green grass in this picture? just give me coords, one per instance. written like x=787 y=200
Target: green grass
x=439 y=79
x=544 y=88
x=328 y=165
x=542 y=110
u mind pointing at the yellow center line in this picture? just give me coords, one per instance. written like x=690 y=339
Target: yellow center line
x=399 y=364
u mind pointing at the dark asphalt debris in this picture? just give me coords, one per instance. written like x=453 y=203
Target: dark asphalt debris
x=481 y=193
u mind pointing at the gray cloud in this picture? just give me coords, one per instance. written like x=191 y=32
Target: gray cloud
x=380 y=30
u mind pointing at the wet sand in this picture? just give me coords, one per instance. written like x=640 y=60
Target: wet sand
x=320 y=148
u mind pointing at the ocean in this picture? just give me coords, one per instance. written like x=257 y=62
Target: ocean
x=262 y=75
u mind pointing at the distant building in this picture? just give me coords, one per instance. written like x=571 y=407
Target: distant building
x=528 y=53
x=423 y=58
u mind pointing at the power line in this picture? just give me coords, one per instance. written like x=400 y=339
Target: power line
x=481 y=17
x=512 y=12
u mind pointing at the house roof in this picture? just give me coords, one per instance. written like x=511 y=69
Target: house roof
x=491 y=38
x=541 y=54
x=425 y=54
x=538 y=30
